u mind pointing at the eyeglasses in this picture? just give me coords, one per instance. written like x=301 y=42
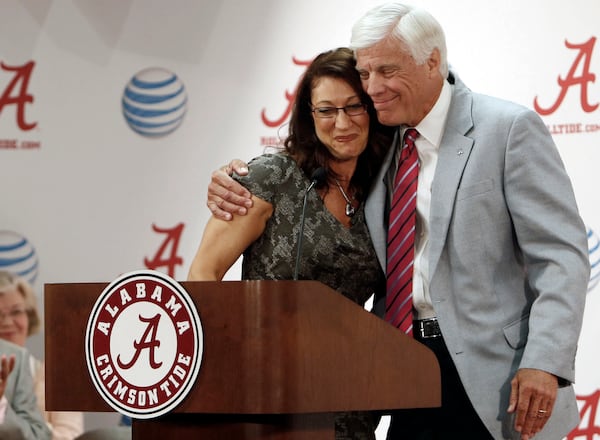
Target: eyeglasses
x=13 y=314
x=332 y=112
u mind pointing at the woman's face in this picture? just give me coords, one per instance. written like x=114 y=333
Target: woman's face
x=14 y=321
x=345 y=136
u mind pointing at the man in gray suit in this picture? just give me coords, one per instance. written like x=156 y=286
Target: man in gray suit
x=500 y=268
x=21 y=418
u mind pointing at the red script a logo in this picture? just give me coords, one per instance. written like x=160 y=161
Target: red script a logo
x=289 y=98
x=13 y=95
x=172 y=238
x=588 y=429
x=585 y=56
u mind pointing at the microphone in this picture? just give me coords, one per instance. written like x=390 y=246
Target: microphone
x=318 y=178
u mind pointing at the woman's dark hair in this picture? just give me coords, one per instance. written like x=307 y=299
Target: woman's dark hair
x=302 y=142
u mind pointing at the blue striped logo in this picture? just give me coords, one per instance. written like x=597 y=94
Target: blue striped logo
x=18 y=256
x=154 y=102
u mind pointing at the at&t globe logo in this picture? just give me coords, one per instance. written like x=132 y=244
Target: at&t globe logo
x=18 y=256
x=154 y=102
x=144 y=344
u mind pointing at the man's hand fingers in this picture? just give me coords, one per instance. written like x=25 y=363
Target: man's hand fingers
x=536 y=393
x=514 y=395
x=222 y=209
x=223 y=186
x=535 y=420
x=222 y=202
x=226 y=196
x=238 y=166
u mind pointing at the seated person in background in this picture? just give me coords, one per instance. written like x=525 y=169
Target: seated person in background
x=20 y=417
x=20 y=319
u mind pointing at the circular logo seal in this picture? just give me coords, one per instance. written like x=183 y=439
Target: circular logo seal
x=154 y=102
x=143 y=344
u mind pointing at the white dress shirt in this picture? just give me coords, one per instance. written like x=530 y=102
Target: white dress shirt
x=430 y=129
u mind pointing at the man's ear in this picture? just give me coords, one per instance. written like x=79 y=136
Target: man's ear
x=433 y=62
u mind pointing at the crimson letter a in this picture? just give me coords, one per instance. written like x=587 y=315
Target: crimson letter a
x=585 y=54
x=172 y=259
x=20 y=97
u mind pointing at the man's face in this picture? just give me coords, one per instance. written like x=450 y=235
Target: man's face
x=402 y=91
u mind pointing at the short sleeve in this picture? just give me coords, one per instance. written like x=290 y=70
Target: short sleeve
x=268 y=175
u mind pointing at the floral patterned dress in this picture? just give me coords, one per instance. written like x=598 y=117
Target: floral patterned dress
x=339 y=257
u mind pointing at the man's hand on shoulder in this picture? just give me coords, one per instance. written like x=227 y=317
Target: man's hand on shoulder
x=225 y=195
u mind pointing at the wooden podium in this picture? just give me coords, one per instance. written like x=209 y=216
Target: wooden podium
x=280 y=358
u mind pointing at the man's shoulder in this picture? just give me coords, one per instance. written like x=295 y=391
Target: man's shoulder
x=484 y=101
x=481 y=99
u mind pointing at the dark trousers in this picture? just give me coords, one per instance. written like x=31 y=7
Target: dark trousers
x=456 y=419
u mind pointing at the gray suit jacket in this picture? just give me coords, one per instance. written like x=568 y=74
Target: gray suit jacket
x=22 y=419
x=508 y=257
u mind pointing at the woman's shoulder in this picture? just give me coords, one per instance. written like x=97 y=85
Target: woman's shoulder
x=272 y=168
x=272 y=160
x=271 y=174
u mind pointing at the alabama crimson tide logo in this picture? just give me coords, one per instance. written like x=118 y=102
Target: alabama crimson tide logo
x=144 y=344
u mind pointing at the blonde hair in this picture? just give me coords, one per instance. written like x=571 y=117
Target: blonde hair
x=21 y=285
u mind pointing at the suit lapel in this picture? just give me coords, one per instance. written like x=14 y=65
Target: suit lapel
x=453 y=155
x=454 y=152
x=376 y=205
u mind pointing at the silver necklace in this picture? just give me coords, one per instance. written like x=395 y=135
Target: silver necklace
x=349 y=208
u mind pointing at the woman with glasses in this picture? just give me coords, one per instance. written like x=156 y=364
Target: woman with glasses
x=336 y=145
x=19 y=319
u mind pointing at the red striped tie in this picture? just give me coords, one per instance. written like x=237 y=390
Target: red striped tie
x=401 y=237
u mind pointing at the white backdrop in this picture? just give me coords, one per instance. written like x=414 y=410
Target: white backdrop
x=81 y=190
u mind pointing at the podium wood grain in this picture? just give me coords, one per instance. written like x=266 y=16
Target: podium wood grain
x=279 y=357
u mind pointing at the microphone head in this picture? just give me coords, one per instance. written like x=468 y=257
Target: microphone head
x=319 y=177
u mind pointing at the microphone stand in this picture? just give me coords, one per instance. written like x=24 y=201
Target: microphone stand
x=318 y=177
